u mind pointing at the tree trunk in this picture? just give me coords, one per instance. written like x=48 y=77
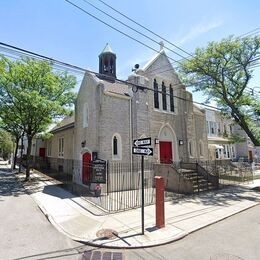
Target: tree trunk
x=241 y=121
x=17 y=138
x=28 y=157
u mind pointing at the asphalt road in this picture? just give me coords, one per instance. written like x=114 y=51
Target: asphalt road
x=26 y=234
x=235 y=238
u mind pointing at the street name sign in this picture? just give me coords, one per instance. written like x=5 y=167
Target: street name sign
x=143 y=141
x=143 y=151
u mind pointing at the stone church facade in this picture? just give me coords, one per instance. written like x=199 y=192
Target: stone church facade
x=153 y=102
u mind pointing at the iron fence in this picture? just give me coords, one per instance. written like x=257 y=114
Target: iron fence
x=121 y=189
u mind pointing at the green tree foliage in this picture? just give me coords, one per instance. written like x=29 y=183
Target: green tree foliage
x=6 y=144
x=10 y=123
x=34 y=95
x=222 y=72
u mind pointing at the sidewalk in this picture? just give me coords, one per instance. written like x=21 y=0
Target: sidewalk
x=73 y=216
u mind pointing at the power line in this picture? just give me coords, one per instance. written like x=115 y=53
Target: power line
x=114 y=28
x=144 y=27
x=144 y=35
x=252 y=32
x=193 y=54
x=57 y=66
x=39 y=56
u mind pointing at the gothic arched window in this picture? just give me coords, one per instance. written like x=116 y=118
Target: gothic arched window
x=156 y=94
x=116 y=147
x=164 y=101
x=171 y=99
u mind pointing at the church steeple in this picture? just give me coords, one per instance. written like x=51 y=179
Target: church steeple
x=107 y=62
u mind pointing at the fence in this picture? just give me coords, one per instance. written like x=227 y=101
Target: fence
x=229 y=172
x=120 y=187
x=120 y=183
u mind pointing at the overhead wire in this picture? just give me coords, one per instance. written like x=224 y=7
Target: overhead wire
x=114 y=28
x=133 y=29
x=240 y=36
x=139 y=87
x=146 y=28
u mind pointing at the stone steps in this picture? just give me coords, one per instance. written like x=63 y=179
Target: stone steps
x=198 y=182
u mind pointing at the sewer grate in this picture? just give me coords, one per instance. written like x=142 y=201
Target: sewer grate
x=100 y=255
x=107 y=234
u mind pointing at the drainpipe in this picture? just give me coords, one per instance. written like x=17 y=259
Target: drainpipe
x=130 y=133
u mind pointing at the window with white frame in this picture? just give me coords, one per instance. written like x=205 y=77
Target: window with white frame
x=116 y=147
x=61 y=147
x=85 y=115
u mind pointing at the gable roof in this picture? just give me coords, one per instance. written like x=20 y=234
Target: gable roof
x=155 y=58
x=67 y=122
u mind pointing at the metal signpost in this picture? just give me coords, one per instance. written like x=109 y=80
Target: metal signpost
x=143 y=151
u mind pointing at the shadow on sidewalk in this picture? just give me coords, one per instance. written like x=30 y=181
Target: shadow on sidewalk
x=220 y=197
x=9 y=186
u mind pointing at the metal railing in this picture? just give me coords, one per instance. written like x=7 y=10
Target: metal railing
x=121 y=190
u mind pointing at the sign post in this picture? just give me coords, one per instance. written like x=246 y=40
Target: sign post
x=142 y=172
x=143 y=151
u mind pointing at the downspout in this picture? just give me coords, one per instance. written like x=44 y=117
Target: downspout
x=130 y=133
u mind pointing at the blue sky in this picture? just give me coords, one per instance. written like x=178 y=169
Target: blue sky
x=56 y=29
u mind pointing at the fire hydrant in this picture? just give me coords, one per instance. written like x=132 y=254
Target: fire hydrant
x=97 y=190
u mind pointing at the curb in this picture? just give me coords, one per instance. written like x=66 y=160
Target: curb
x=90 y=243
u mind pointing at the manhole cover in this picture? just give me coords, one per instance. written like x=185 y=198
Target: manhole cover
x=107 y=233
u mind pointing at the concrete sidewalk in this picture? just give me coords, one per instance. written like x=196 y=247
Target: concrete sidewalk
x=72 y=215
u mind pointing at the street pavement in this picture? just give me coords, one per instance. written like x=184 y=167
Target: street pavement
x=73 y=215
x=24 y=232
x=235 y=238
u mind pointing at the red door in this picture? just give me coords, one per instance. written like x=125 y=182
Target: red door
x=166 y=152
x=86 y=158
x=42 y=152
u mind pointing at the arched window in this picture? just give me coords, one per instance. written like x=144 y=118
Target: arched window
x=171 y=99
x=164 y=102
x=156 y=94
x=85 y=115
x=191 y=148
x=116 y=147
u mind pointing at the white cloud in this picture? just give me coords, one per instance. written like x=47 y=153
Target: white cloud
x=197 y=30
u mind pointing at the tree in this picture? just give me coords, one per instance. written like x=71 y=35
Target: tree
x=11 y=124
x=35 y=95
x=6 y=144
x=222 y=72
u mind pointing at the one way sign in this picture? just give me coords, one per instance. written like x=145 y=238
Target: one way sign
x=143 y=151
x=142 y=142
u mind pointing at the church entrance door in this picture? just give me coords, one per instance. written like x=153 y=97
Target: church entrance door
x=86 y=168
x=165 y=152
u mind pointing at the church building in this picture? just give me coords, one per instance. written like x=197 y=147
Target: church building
x=110 y=114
